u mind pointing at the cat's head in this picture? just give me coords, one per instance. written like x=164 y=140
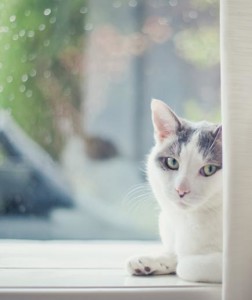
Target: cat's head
x=185 y=165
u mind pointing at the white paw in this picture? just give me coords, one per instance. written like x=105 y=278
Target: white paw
x=146 y=265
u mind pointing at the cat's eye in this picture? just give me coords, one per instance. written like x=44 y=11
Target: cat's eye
x=172 y=163
x=208 y=170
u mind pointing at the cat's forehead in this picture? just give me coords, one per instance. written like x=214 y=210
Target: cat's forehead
x=195 y=130
x=198 y=137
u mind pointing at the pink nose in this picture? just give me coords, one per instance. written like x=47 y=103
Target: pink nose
x=182 y=193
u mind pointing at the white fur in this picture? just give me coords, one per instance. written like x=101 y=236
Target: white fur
x=190 y=227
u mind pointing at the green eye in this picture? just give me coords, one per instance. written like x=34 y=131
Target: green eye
x=208 y=170
x=172 y=163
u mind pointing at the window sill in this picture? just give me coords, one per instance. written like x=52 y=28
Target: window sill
x=94 y=270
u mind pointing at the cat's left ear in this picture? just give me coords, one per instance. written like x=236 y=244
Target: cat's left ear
x=165 y=121
x=218 y=133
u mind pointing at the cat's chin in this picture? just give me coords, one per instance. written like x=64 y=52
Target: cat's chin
x=183 y=205
x=193 y=206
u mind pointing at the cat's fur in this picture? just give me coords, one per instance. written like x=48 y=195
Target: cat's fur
x=190 y=221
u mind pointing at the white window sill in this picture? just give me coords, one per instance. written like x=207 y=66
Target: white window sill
x=87 y=270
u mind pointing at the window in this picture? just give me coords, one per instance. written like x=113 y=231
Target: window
x=76 y=80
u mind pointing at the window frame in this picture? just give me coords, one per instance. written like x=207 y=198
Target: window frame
x=15 y=257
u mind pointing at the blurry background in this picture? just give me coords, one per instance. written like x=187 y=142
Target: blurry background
x=76 y=81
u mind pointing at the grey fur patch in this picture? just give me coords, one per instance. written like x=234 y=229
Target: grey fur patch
x=173 y=149
x=210 y=146
x=205 y=142
x=184 y=135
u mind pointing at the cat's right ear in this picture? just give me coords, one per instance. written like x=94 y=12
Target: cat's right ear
x=164 y=120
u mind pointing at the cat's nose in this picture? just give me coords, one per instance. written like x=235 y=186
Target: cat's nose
x=182 y=193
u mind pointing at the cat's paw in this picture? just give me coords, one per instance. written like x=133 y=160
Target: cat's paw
x=147 y=265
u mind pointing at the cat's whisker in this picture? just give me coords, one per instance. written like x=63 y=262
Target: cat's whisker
x=142 y=195
x=143 y=170
x=129 y=201
x=140 y=205
x=139 y=199
x=138 y=190
x=133 y=206
x=142 y=186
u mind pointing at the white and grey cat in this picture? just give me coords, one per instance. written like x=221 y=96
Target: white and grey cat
x=185 y=173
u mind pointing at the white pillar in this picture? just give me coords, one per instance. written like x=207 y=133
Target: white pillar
x=236 y=57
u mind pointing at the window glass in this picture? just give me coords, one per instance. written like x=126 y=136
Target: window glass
x=76 y=81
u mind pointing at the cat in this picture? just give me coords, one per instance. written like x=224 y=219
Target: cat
x=184 y=170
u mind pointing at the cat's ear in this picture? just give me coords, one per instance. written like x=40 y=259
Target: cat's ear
x=218 y=133
x=164 y=120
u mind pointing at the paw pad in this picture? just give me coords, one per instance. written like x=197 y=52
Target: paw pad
x=146 y=266
x=147 y=269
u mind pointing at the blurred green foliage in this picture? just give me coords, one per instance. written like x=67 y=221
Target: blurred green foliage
x=205 y=4
x=33 y=36
x=200 y=46
x=195 y=112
